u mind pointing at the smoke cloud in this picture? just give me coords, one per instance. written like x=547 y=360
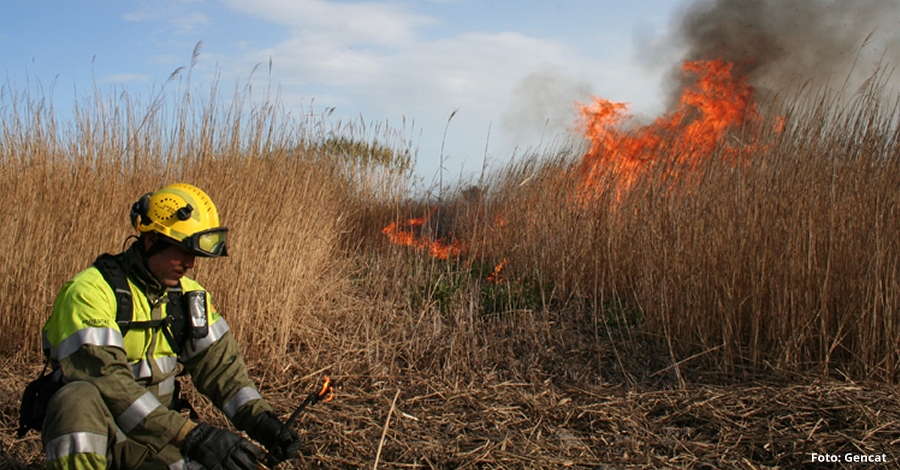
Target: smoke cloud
x=542 y=104
x=779 y=44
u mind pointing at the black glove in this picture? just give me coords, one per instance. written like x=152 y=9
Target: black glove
x=219 y=449
x=281 y=441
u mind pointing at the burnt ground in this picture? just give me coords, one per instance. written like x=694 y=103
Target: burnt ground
x=417 y=422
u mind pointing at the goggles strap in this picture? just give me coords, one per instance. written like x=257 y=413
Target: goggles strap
x=159 y=245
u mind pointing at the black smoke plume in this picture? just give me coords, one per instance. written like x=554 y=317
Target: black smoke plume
x=780 y=44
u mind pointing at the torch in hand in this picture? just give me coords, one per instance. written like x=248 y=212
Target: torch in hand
x=324 y=395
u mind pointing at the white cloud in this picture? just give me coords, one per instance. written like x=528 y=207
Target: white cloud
x=344 y=24
x=381 y=61
x=175 y=13
x=474 y=70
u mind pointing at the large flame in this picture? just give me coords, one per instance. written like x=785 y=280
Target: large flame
x=717 y=101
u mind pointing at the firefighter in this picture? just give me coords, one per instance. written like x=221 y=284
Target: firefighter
x=114 y=409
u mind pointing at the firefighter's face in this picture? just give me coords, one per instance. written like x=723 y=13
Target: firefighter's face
x=170 y=264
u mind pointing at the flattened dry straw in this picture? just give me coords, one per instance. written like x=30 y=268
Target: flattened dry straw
x=512 y=425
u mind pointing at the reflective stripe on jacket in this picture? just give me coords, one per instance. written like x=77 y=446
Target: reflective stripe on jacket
x=136 y=374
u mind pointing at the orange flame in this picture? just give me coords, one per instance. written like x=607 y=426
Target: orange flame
x=409 y=234
x=716 y=102
x=495 y=277
x=327 y=392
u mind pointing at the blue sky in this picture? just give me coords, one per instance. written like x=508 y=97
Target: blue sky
x=512 y=69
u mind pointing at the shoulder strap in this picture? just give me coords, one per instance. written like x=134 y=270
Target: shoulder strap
x=112 y=272
x=172 y=326
x=175 y=320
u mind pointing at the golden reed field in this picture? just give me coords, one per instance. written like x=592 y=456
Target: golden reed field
x=717 y=289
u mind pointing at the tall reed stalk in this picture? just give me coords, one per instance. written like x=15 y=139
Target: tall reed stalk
x=778 y=251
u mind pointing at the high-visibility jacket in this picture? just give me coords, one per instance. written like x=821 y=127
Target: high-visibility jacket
x=135 y=374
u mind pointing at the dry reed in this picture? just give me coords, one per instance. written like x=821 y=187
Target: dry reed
x=784 y=261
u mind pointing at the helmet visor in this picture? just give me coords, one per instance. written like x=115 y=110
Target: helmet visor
x=208 y=243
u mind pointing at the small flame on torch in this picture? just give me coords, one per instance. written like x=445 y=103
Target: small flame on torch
x=327 y=392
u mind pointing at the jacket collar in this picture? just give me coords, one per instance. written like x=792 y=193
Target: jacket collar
x=139 y=274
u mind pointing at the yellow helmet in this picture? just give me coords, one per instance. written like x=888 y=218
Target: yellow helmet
x=184 y=215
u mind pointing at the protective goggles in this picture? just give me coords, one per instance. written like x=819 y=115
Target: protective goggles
x=208 y=243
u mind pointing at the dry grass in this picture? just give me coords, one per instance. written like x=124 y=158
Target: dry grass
x=497 y=424
x=743 y=314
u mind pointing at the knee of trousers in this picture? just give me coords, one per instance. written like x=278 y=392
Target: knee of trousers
x=78 y=407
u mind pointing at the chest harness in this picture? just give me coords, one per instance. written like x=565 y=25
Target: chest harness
x=185 y=313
